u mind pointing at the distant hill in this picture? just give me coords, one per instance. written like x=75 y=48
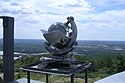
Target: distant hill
x=27 y=46
x=93 y=48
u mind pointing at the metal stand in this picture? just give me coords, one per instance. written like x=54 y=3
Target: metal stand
x=28 y=76
x=79 y=66
x=86 y=75
x=51 y=72
x=72 y=78
x=47 y=77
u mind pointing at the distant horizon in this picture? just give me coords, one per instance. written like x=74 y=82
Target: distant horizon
x=76 y=40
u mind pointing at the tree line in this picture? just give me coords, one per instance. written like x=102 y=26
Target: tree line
x=100 y=67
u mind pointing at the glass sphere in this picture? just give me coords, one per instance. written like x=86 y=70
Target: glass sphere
x=57 y=26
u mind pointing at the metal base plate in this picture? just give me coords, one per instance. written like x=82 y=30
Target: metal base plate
x=65 y=67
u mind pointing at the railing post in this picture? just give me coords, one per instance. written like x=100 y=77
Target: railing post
x=47 y=78
x=28 y=76
x=8 y=48
x=86 y=75
x=72 y=78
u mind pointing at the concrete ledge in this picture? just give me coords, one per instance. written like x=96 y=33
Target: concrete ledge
x=116 y=78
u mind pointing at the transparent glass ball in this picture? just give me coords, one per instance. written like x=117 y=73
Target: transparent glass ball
x=57 y=26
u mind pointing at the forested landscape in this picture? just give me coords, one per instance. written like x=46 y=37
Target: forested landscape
x=100 y=67
x=106 y=58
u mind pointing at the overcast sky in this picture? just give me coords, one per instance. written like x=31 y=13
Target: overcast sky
x=95 y=19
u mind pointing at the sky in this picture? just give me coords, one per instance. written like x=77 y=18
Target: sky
x=95 y=19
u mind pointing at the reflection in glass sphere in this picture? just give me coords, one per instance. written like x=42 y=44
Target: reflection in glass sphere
x=57 y=26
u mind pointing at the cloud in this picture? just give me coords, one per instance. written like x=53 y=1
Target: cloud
x=14 y=8
x=5 y=0
x=15 y=11
x=14 y=4
x=91 y=16
x=104 y=5
x=32 y=21
x=71 y=7
x=105 y=20
x=106 y=25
